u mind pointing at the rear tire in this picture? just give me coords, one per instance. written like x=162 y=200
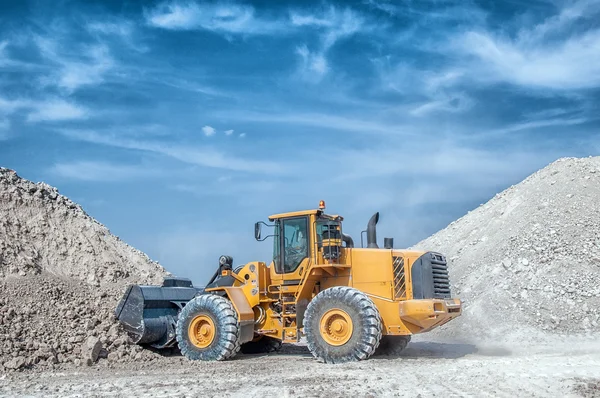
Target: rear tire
x=263 y=345
x=342 y=325
x=208 y=329
x=392 y=345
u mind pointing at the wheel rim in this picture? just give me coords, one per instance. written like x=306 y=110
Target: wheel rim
x=336 y=327
x=202 y=331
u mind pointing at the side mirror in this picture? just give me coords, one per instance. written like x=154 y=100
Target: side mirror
x=257 y=230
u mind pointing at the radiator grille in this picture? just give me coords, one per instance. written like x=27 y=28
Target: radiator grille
x=399 y=278
x=441 y=282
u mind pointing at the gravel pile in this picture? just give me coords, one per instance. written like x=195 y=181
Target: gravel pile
x=529 y=259
x=61 y=275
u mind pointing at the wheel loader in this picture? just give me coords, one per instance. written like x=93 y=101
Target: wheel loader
x=346 y=301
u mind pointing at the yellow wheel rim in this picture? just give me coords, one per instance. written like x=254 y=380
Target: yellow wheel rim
x=201 y=331
x=336 y=327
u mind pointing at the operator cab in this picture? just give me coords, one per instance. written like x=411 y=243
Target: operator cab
x=303 y=238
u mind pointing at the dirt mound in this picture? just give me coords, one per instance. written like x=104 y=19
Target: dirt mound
x=529 y=259
x=61 y=275
x=42 y=230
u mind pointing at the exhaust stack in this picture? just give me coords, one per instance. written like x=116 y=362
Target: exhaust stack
x=348 y=239
x=388 y=243
x=372 y=231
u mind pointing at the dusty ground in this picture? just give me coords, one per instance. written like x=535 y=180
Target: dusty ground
x=507 y=262
x=425 y=369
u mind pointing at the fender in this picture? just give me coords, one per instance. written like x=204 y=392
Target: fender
x=244 y=310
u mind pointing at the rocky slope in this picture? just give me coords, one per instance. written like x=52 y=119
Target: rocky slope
x=61 y=275
x=528 y=260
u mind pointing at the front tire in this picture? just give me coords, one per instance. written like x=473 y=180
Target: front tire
x=342 y=325
x=208 y=329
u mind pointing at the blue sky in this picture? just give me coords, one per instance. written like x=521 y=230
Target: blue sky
x=178 y=124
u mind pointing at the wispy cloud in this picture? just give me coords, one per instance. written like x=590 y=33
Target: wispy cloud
x=425 y=12
x=561 y=52
x=333 y=25
x=54 y=110
x=313 y=65
x=228 y=132
x=8 y=106
x=570 y=13
x=366 y=125
x=83 y=66
x=120 y=28
x=454 y=103
x=208 y=131
x=530 y=125
x=572 y=63
x=191 y=154
x=102 y=171
x=228 y=18
x=424 y=92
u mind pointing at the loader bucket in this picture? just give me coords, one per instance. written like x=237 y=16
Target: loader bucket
x=149 y=313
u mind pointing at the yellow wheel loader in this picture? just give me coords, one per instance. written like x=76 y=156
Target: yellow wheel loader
x=346 y=301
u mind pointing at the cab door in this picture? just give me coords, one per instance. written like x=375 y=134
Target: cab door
x=292 y=250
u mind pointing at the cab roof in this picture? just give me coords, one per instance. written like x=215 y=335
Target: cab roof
x=304 y=213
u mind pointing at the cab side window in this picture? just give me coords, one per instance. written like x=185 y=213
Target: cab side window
x=295 y=242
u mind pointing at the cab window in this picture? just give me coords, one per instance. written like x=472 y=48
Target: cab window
x=295 y=242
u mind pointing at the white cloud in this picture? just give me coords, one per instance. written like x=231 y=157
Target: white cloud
x=314 y=65
x=44 y=110
x=573 y=63
x=333 y=25
x=242 y=135
x=222 y=18
x=195 y=155
x=425 y=92
x=388 y=8
x=119 y=28
x=54 y=110
x=87 y=65
x=364 y=125
x=208 y=131
x=573 y=11
x=9 y=106
x=454 y=103
x=562 y=52
x=536 y=124
x=102 y=171
x=228 y=132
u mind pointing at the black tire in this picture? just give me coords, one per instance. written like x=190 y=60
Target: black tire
x=392 y=345
x=263 y=345
x=366 y=325
x=225 y=343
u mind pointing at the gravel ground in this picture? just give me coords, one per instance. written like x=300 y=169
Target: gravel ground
x=526 y=264
x=425 y=369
